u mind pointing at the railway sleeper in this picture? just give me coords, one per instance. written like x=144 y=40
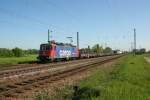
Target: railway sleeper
x=18 y=91
x=35 y=85
x=11 y=86
x=21 y=84
x=8 y=94
x=27 y=88
x=28 y=82
x=2 y=89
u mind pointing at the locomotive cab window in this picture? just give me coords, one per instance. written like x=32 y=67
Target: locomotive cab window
x=45 y=47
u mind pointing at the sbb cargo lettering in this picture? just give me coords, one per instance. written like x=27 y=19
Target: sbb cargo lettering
x=65 y=53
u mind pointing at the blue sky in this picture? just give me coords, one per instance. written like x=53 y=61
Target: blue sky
x=24 y=23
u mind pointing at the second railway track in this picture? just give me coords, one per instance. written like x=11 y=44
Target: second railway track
x=33 y=68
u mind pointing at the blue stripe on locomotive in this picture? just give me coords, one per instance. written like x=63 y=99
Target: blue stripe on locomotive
x=66 y=51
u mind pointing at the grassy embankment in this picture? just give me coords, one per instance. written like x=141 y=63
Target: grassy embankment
x=16 y=60
x=127 y=80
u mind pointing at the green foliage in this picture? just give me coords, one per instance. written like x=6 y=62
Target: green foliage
x=31 y=51
x=108 y=50
x=129 y=80
x=16 y=52
x=43 y=96
x=17 y=55
x=97 y=48
x=6 y=52
x=85 y=93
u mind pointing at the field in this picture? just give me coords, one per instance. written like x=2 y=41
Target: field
x=127 y=80
x=16 y=60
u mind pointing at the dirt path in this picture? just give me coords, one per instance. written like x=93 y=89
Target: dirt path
x=147 y=59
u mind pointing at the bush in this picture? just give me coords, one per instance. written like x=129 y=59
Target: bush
x=31 y=51
x=108 y=50
x=18 y=52
x=97 y=48
x=6 y=52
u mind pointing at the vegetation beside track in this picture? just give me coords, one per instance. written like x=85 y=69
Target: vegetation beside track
x=127 y=80
x=16 y=52
x=15 y=60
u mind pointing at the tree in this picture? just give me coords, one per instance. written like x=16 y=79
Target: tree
x=97 y=48
x=31 y=51
x=6 y=52
x=108 y=50
x=18 y=52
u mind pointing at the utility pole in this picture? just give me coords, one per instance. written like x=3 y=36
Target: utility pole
x=48 y=37
x=132 y=49
x=134 y=40
x=105 y=45
x=88 y=51
x=78 y=40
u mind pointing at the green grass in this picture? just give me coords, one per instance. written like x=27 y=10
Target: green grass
x=16 y=60
x=127 y=80
x=130 y=80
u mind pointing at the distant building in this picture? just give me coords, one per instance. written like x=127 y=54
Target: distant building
x=117 y=52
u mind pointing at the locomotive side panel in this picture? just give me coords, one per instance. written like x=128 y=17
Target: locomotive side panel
x=66 y=52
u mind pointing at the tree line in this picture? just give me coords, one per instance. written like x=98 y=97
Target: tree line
x=16 y=52
x=96 y=49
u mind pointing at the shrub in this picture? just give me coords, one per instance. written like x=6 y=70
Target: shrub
x=18 y=52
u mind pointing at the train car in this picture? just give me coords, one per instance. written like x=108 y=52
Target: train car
x=57 y=51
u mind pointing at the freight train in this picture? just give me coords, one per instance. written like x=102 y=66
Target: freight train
x=54 y=51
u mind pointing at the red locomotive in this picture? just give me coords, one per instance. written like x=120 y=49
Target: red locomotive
x=57 y=51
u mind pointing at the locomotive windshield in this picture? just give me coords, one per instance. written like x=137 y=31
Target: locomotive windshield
x=45 y=47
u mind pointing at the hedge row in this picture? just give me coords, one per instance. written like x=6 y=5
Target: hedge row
x=16 y=52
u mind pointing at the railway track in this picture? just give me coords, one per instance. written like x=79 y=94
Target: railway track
x=16 y=88
x=35 y=69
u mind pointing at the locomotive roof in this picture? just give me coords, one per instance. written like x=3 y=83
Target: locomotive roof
x=65 y=44
x=60 y=44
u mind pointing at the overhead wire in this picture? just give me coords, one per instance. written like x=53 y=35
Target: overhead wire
x=62 y=10
x=28 y=18
x=35 y=20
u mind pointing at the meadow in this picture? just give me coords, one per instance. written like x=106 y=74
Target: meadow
x=16 y=60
